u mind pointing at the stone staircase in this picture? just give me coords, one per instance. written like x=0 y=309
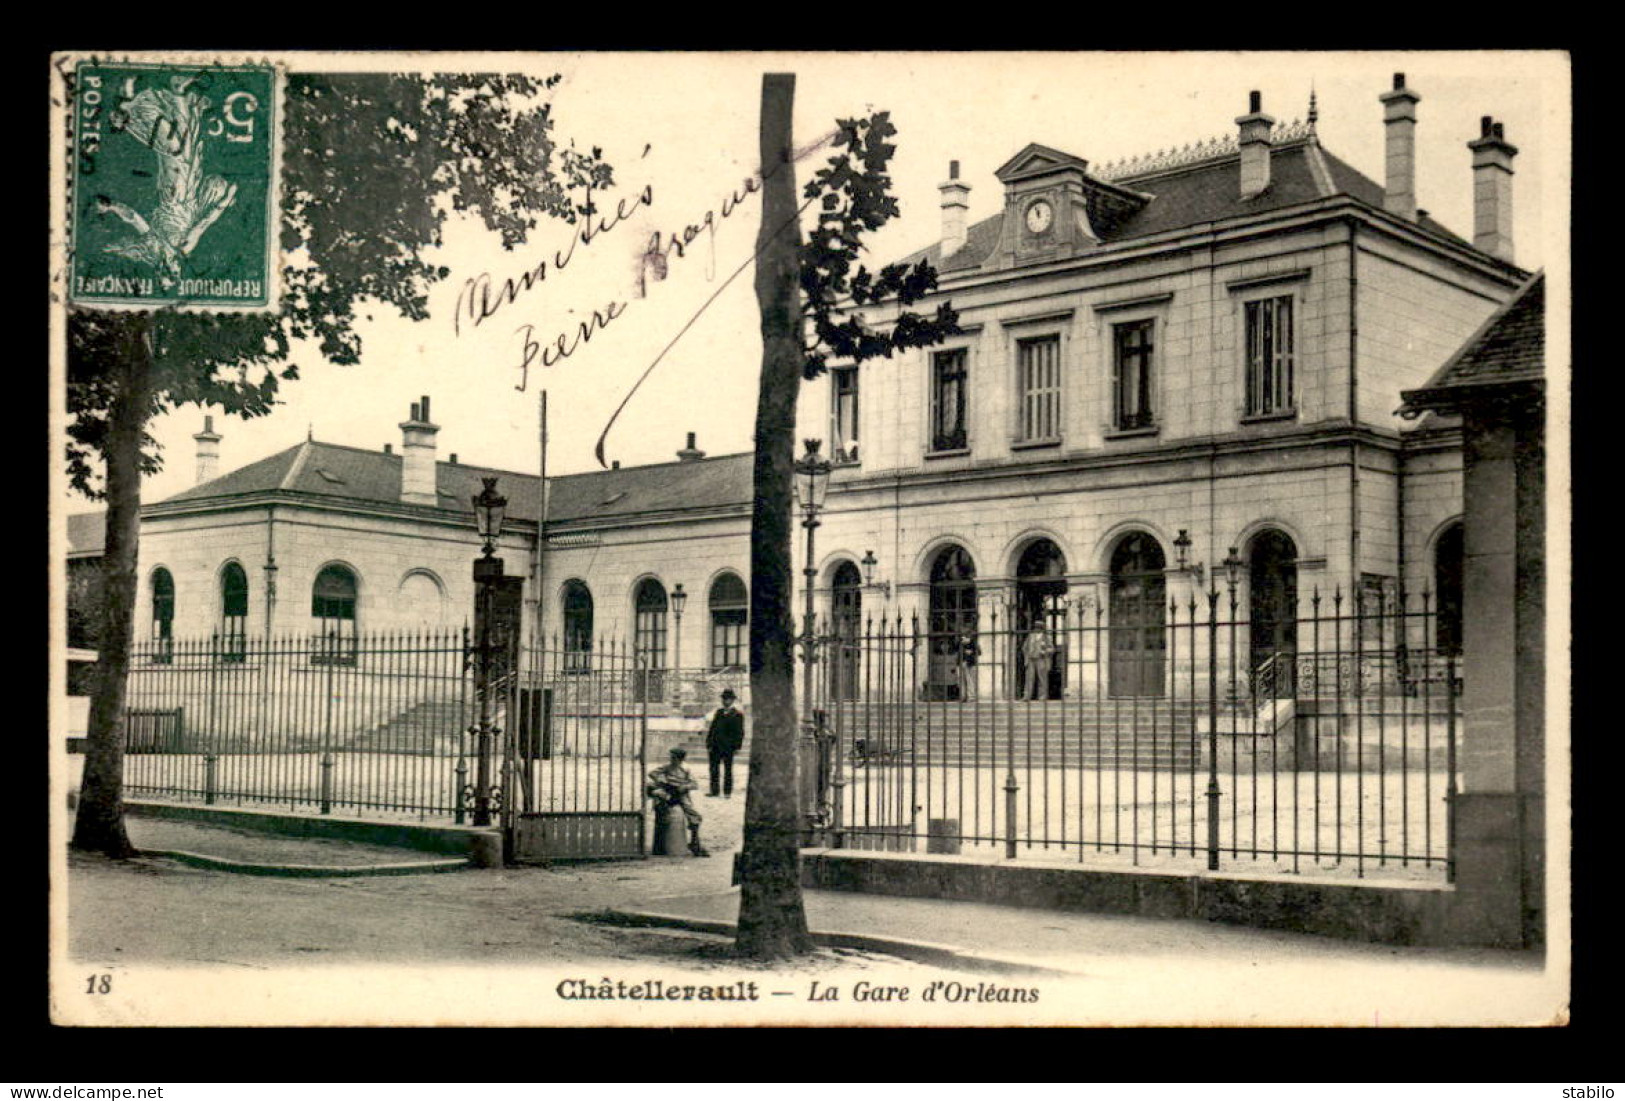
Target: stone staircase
x=1108 y=734
x=427 y=729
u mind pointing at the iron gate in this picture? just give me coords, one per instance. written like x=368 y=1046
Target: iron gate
x=575 y=756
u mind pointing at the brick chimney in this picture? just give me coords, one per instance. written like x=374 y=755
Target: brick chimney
x=955 y=205
x=418 y=456
x=1255 y=146
x=690 y=453
x=1399 y=125
x=1492 y=190
x=208 y=452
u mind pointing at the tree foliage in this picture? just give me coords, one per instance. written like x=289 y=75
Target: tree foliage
x=372 y=166
x=853 y=192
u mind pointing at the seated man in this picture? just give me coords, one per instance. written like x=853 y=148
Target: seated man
x=669 y=787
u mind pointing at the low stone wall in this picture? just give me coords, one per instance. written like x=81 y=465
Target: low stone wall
x=1385 y=914
x=482 y=846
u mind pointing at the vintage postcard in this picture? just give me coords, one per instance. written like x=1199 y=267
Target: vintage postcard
x=718 y=539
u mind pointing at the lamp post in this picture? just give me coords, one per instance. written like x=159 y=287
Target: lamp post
x=811 y=484
x=1232 y=567
x=678 y=599
x=489 y=510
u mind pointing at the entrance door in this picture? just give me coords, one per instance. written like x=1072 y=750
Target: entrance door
x=649 y=640
x=951 y=667
x=1272 y=613
x=1041 y=600
x=1137 y=597
x=847 y=593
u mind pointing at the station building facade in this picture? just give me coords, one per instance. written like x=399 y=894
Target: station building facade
x=1159 y=361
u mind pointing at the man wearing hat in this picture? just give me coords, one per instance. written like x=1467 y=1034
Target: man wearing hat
x=669 y=786
x=723 y=737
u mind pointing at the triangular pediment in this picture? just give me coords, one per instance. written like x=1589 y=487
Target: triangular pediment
x=1039 y=160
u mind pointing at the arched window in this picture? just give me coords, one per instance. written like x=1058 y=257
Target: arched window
x=577 y=627
x=1138 y=589
x=1449 y=554
x=163 y=615
x=233 y=613
x=420 y=601
x=332 y=610
x=649 y=639
x=951 y=673
x=730 y=617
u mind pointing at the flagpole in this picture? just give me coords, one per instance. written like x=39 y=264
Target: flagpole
x=541 y=536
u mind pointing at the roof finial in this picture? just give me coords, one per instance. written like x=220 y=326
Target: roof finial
x=310 y=431
x=1314 y=112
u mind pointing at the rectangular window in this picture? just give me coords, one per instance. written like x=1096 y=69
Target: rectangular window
x=1038 y=362
x=948 y=393
x=1269 y=356
x=843 y=427
x=730 y=638
x=335 y=641
x=1131 y=374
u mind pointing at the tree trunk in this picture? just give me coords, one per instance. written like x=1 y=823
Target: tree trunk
x=772 y=923
x=99 y=826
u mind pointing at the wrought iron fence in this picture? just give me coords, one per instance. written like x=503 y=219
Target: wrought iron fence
x=1319 y=742
x=384 y=725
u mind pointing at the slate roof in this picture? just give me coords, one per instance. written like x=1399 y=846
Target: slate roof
x=1208 y=191
x=1508 y=350
x=87 y=533
x=340 y=474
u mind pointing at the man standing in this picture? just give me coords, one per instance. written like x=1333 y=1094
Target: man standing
x=668 y=787
x=1038 y=650
x=723 y=737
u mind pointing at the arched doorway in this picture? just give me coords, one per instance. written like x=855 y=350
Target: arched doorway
x=1136 y=625
x=1041 y=601
x=649 y=641
x=1272 y=613
x=846 y=615
x=1449 y=554
x=953 y=653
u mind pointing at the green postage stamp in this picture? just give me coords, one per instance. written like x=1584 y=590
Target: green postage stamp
x=174 y=185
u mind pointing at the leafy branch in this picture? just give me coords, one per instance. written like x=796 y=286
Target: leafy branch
x=854 y=195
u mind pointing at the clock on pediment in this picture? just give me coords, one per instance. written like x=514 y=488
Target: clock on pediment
x=1053 y=208
x=1040 y=217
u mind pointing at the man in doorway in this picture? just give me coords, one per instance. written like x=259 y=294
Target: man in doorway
x=1039 y=651
x=669 y=788
x=723 y=737
x=967 y=651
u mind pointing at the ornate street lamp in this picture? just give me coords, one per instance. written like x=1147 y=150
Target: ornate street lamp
x=1232 y=572
x=1182 y=552
x=490 y=507
x=678 y=600
x=811 y=486
x=811 y=483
